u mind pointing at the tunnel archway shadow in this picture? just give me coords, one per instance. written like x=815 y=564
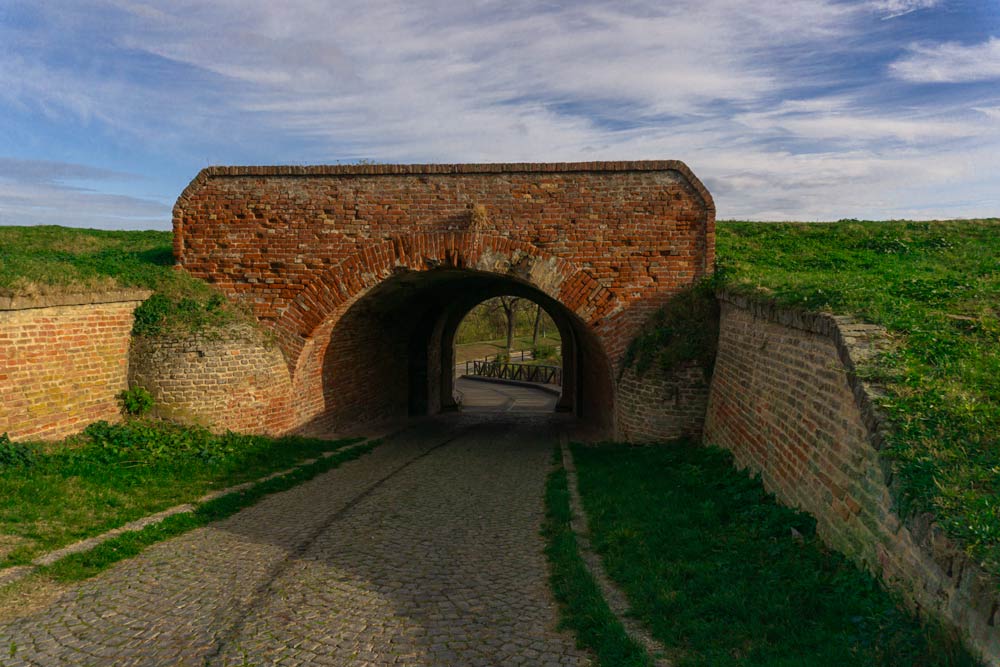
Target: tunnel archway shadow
x=391 y=353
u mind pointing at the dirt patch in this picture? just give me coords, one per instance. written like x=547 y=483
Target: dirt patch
x=10 y=543
x=470 y=351
x=28 y=596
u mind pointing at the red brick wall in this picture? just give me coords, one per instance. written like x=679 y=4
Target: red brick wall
x=62 y=361
x=785 y=401
x=660 y=406
x=230 y=380
x=610 y=242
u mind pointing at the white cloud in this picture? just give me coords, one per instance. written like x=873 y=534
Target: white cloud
x=40 y=192
x=739 y=89
x=989 y=112
x=892 y=8
x=949 y=63
x=839 y=119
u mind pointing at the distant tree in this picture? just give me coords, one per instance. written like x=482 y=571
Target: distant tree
x=534 y=332
x=510 y=305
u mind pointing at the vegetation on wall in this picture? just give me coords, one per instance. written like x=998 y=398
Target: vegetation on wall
x=135 y=401
x=685 y=329
x=935 y=286
x=50 y=260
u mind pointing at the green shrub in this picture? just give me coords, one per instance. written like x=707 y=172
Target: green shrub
x=135 y=402
x=15 y=454
x=542 y=352
x=143 y=442
x=150 y=315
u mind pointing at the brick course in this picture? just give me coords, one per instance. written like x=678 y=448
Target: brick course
x=661 y=405
x=62 y=361
x=229 y=380
x=608 y=242
x=785 y=400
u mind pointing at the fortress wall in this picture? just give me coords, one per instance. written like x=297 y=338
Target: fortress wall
x=785 y=400
x=63 y=359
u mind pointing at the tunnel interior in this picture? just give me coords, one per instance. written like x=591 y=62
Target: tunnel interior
x=392 y=353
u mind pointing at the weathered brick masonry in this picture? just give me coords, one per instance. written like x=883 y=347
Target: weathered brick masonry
x=231 y=379
x=603 y=244
x=660 y=405
x=784 y=399
x=62 y=361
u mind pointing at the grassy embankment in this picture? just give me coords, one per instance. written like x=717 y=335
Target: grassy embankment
x=52 y=494
x=719 y=572
x=59 y=260
x=936 y=287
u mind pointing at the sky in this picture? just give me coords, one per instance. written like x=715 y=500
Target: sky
x=786 y=110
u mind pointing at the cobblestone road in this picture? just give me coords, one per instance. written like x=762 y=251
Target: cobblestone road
x=424 y=552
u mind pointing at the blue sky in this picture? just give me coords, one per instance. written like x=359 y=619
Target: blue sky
x=790 y=110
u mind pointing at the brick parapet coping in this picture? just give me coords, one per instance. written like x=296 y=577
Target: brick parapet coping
x=445 y=169
x=25 y=302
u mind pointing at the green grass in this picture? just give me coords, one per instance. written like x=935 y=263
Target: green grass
x=56 y=260
x=113 y=474
x=936 y=287
x=583 y=607
x=83 y=565
x=712 y=567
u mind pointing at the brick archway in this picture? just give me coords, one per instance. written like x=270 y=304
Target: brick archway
x=332 y=291
x=606 y=243
x=450 y=272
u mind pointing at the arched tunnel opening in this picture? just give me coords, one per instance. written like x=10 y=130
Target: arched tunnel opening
x=509 y=358
x=391 y=354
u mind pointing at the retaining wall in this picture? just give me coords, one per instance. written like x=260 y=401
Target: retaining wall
x=785 y=400
x=234 y=379
x=660 y=405
x=63 y=359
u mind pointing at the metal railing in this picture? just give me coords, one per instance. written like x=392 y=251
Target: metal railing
x=508 y=371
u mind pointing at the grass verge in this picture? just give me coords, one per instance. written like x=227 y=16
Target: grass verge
x=583 y=607
x=936 y=287
x=720 y=572
x=83 y=565
x=54 y=494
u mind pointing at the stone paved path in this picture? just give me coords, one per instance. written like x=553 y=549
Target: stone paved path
x=486 y=396
x=424 y=552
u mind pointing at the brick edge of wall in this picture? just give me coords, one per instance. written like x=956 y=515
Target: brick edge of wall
x=85 y=298
x=969 y=601
x=451 y=168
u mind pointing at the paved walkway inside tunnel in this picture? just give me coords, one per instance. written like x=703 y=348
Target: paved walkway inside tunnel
x=424 y=552
x=486 y=396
